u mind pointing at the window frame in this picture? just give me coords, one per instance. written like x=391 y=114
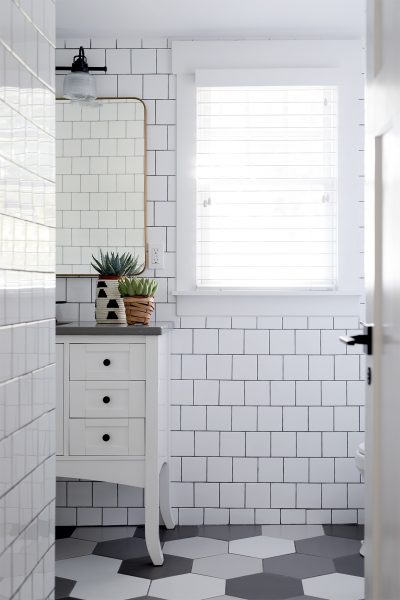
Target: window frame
x=336 y=63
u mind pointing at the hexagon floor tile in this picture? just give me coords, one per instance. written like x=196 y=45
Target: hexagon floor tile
x=261 y=546
x=227 y=566
x=304 y=598
x=179 y=533
x=64 y=531
x=354 y=532
x=335 y=586
x=183 y=587
x=143 y=567
x=195 y=547
x=264 y=586
x=117 y=587
x=331 y=547
x=63 y=587
x=122 y=549
x=70 y=547
x=351 y=565
x=292 y=532
x=229 y=532
x=87 y=567
x=299 y=565
x=218 y=562
x=103 y=534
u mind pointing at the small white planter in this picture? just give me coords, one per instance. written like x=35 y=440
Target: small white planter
x=109 y=304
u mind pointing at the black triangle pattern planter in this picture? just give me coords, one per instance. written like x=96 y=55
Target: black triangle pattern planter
x=109 y=304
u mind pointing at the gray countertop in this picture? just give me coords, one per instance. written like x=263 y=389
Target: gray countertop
x=93 y=328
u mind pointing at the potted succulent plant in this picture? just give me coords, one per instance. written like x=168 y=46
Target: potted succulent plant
x=111 y=267
x=138 y=296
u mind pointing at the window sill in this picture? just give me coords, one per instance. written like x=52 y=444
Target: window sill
x=217 y=302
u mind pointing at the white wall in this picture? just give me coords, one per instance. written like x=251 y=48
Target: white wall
x=27 y=284
x=247 y=447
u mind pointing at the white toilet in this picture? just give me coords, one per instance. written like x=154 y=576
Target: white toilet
x=360 y=464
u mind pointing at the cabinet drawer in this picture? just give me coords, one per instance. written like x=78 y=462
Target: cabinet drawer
x=96 y=437
x=107 y=399
x=107 y=361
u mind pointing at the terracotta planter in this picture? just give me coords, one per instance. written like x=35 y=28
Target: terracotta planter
x=138 y=309
x=109 y=304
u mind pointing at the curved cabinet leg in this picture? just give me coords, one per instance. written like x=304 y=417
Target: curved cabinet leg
x=152 y=522
x=165 y=497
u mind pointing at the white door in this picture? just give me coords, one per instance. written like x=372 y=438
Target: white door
x=383 y=300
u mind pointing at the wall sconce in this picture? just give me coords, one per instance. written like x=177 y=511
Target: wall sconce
x=79 y=84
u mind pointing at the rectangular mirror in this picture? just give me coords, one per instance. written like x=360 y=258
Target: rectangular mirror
x=101 y=181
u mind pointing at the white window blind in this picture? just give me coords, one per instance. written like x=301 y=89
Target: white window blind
x=267 y=184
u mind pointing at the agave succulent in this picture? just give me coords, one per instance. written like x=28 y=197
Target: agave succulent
x=130 y=286
x=114 y=264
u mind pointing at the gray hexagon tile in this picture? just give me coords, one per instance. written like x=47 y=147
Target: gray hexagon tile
x=264 y=586
x=122 y=549
x=103 y=534
x=351 y=565
x=70 y=547
x=143 y=567
x=87 y=567
x=335 y=586
x=195 y=547
x=331 y=547
x=293 y=532
x=227 y=566
x=117 y=587
x=299 y=565
x=183 y=587
x=261 y=546
x=229 y=532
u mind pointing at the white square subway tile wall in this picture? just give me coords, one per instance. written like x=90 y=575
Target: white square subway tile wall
x=27 y=285
x=267 y=412
x=100 y=180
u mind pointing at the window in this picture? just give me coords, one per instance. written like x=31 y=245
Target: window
x=269 y=177
x=266 y=194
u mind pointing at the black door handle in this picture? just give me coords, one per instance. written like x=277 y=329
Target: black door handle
x=364 y=338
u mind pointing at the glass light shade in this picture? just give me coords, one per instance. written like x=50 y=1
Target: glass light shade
x=79 y=86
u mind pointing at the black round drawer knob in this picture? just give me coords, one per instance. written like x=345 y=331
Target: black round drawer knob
x=106 y=362
x=106 y=437
x=106 y=399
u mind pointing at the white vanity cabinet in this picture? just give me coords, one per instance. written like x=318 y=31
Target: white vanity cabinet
x=113 y=413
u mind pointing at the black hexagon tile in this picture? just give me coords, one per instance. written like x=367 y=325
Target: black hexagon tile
x=63 y=587
x=299 y=565
x=64 y=531
x=122 y=549
x=166 y=535
x=351 y=565
x=264 y=586
x=353 y=532
x=143 y=567
x=229 y=533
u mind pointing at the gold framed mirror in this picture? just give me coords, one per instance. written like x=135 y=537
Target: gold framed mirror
x=101 y=182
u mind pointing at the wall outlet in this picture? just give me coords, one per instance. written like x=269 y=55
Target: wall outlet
x=155 y=256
